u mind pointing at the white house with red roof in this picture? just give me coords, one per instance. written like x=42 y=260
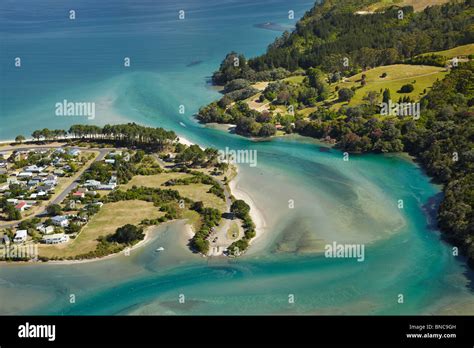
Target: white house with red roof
x=21 y=206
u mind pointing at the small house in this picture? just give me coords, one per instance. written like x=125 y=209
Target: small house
x=20 y=236
x=13 y=201
x=92 y=183
x=78 y=194
x=33 y=182
x=60 y=221
x=13 y=181
x=59 y=172
x=45 y=188
x=21 y=206
x=74 y=152
x=57 y=238
x=107 y=187
x=46 y=229
x=34 y=169
x=25 y=175
x=113 y=179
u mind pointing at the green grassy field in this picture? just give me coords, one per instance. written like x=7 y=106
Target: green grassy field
x=233 y=231
x=196 y=192
x=294 y=79
x=153 y=180
x=460 y=51
x=421 y=76
x=110 y=217
x=307 y=111
x=194 y=219
x=418 y=5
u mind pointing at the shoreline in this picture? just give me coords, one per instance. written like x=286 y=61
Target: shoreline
x=185 y=141
x=255 y=213
x=149 y=232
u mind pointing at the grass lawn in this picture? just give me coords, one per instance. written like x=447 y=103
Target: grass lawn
x=307 y=111
x=418 y=5
x=295 y=79
x=459 y=51
x=397 y=76
x=194 y=219
x=255 y=104
x=153 y=180
x=110 y=217
x=196 y=192
x=233 y=231
x=260 y=85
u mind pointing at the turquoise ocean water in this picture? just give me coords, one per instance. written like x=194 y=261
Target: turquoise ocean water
x=171 y=61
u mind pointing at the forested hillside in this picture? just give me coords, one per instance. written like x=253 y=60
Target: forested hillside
x=444 y=144
x=327 y=34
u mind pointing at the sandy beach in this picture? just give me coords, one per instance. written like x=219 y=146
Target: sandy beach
x=256 y=214
x=185 y=141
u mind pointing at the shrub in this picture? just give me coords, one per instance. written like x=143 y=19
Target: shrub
x=408 y=88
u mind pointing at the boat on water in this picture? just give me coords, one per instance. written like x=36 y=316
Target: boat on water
x=160 y=249
x=182 y=124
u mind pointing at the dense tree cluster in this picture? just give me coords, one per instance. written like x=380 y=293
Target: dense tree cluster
x=54 y=209
x=199 y=178
x=240 y=208
x=128 y=234
x=444 y=144
x=242 y=211
x=138 y=164
x=46 y=134
x=210 y=219
x=155 y=195
x=130 y=133
x=429 y=59
x=235 y=66
x=100 y=171
x=333 y=31
x=195 y=157
x=249 y=122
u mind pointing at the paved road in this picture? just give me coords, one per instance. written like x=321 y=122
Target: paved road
x=70 y=187
x=223 y=241
x=73 y=185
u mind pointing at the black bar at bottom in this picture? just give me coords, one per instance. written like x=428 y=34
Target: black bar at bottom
x=289 y=331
